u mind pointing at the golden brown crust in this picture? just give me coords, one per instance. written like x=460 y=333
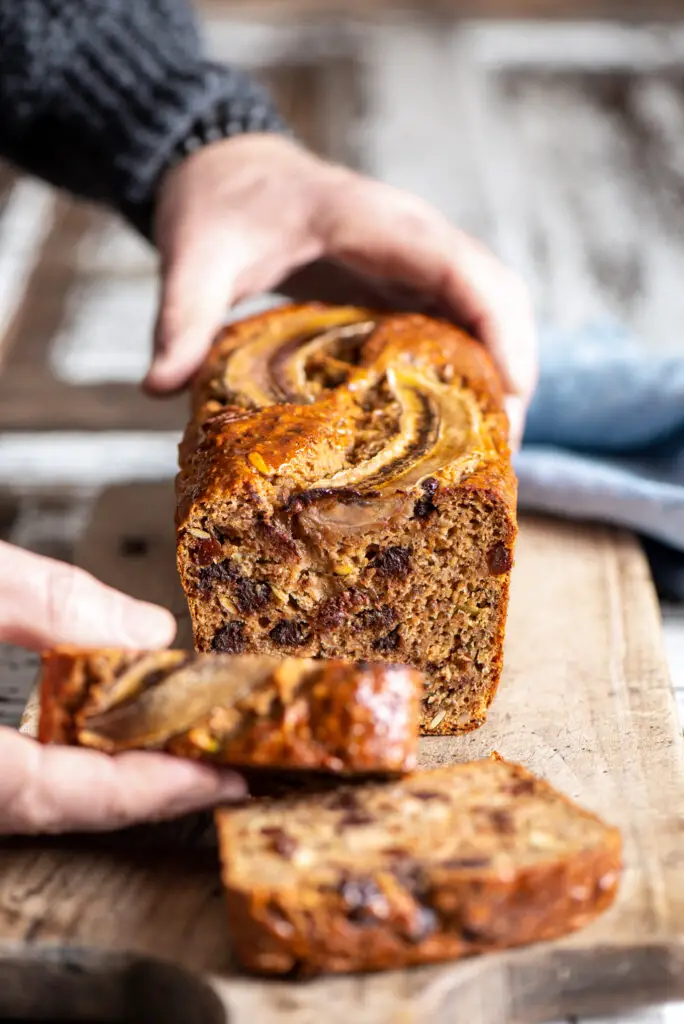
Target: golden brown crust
x=284 y=427
x=403 y=909
x=285 y=435
x=246 y=712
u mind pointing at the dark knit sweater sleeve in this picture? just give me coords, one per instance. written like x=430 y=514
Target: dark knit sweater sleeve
x=99 y=97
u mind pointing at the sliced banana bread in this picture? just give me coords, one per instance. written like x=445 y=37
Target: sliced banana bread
x=437 y=866
x=251 y=712
x=346 y=491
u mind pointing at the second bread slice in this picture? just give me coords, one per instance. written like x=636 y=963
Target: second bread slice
x=440 y=865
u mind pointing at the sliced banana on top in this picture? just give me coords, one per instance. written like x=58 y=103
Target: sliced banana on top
x=438 y=424
x=170 y=708
x=273 y=369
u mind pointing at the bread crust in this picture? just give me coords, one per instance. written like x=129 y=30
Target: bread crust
x=433 y=343
x=406 y=912
x=537 y=906
x=292 y=715
x=258 y=459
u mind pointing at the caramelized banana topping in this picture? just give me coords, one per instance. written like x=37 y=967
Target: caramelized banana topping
x=429 y=422
x=438 y=426
x=154 y=714
x=273 y=368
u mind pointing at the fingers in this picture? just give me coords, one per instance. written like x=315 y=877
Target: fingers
x=380 y=231
x=43 y=603
x=515 y=411
x=197 y=289
x=58 y=789
x=213 y=271
x=231 y=221
x=499 y=312
x=239 y=216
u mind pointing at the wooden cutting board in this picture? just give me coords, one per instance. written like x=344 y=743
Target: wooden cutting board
x=133 y=927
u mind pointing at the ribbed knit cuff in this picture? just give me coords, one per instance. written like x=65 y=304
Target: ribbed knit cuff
x=139 y=89
x=224 y=103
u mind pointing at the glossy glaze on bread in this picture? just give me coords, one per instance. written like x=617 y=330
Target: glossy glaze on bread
x=248 y=712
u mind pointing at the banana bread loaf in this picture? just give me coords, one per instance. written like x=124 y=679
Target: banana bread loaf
x=249 y=712
x=439 y=865
x=346 y=491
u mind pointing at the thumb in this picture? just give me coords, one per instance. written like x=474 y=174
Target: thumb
x=44 y=603
x=66 y=789
x=196 y=291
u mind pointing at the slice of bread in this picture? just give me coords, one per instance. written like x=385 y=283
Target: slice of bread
x=436 y=866
x=248 y=712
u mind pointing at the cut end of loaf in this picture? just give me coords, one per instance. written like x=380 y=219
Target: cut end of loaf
x=352 y=498
x=441 y=865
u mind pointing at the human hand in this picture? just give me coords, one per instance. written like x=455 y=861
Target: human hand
x=59 y=789
x=239 y=216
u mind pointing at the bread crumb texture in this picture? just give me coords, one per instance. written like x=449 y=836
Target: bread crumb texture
x=439 y=865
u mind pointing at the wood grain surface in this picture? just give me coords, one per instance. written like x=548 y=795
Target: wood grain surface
x=585 y=702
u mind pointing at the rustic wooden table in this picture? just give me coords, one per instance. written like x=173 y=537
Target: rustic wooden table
x=561 y=145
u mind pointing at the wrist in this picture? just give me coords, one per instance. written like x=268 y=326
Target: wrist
x=227 y=120
x=261 y=161
x=218 y=104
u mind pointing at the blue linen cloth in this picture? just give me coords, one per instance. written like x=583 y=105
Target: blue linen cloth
x=604 y=441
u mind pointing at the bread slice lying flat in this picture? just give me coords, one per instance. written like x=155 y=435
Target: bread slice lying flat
x=439 y=865
x=248 y=712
